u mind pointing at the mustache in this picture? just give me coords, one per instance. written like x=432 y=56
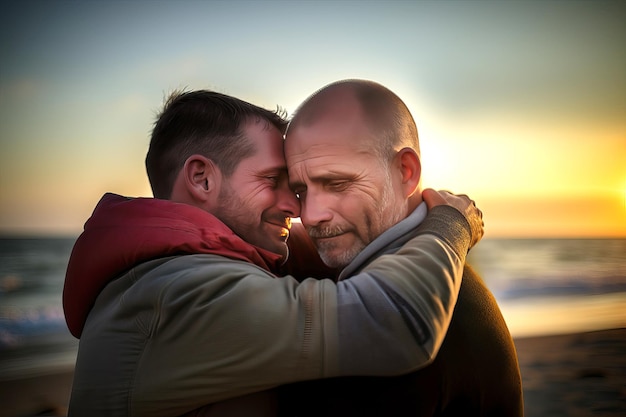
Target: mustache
x=325 y=231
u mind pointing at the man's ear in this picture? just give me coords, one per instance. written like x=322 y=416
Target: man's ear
x=411 y=169
x=202 y=179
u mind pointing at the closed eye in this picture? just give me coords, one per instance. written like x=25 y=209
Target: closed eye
x=273 y=179
x=338 y=185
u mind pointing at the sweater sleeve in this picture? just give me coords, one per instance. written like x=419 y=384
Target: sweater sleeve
x=245 y=331
x=406 y=299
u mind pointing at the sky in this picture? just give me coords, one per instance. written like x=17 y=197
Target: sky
x=520 y=104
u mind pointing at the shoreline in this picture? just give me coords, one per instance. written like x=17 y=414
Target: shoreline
x=581 y=374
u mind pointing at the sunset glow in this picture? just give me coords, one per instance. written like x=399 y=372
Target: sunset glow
x=515 y=104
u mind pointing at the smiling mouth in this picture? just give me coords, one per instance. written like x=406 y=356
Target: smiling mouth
x=284 y=229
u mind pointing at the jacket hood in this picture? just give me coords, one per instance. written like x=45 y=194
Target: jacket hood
x=124 y=232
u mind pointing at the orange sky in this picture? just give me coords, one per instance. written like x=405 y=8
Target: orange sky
x=521 y=105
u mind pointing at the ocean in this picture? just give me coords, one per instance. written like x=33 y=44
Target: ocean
x=543 y=286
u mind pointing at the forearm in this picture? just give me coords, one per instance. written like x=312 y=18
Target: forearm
x=406 y=300
x=420 y=283
x=261 y=331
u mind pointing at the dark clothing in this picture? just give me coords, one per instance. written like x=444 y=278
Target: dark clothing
x=475 y=373
x=174 y=311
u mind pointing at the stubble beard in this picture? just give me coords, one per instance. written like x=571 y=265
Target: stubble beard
x=343 y=258
x=388 y=214
x=235 y=214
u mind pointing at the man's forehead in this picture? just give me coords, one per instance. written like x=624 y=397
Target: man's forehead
x=327 y=143
x=320 y=158
x=267 y=143
x=260 y=167
x=331 y=126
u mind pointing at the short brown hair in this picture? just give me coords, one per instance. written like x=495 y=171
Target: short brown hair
x=202 y=122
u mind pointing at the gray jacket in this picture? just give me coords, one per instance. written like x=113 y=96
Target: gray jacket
x=175 y=333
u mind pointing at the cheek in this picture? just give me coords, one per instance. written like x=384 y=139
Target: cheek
x=355 y=207
x=265 y=198
x=258 y=195
x=367 y=198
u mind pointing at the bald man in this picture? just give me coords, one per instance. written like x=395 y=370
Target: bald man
x=353 y=157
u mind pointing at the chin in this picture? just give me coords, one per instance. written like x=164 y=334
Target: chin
x=333 y=261
x=280 y=249
x=341 y=258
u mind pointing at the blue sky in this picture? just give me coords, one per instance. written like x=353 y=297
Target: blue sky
x=521 y=104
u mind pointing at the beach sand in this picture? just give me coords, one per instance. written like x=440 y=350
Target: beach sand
x=574 y=375
x=41 y=395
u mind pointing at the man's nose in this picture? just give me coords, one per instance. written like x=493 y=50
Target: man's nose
x=315 y=209
x=288 y=202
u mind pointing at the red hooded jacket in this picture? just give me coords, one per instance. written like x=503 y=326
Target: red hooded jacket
x=124 y=232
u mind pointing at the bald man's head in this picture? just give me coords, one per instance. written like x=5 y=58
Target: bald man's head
x=385 y=115
x=352 y=155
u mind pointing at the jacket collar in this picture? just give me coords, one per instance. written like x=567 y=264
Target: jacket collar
x=124 y=232
x=389 y=241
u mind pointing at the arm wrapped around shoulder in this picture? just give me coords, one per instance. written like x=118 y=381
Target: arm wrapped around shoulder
x=394 y=315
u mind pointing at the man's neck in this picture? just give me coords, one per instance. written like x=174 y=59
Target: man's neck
x=414 y=201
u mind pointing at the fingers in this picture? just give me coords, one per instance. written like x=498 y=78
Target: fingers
x=433 y=198
x=462 y=203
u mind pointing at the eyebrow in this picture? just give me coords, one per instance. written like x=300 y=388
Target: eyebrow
x=273 y=170
x=296 y=184
x=324 y=177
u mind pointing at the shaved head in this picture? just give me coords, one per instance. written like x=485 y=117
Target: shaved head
x=389 y=120
x=352 y=155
